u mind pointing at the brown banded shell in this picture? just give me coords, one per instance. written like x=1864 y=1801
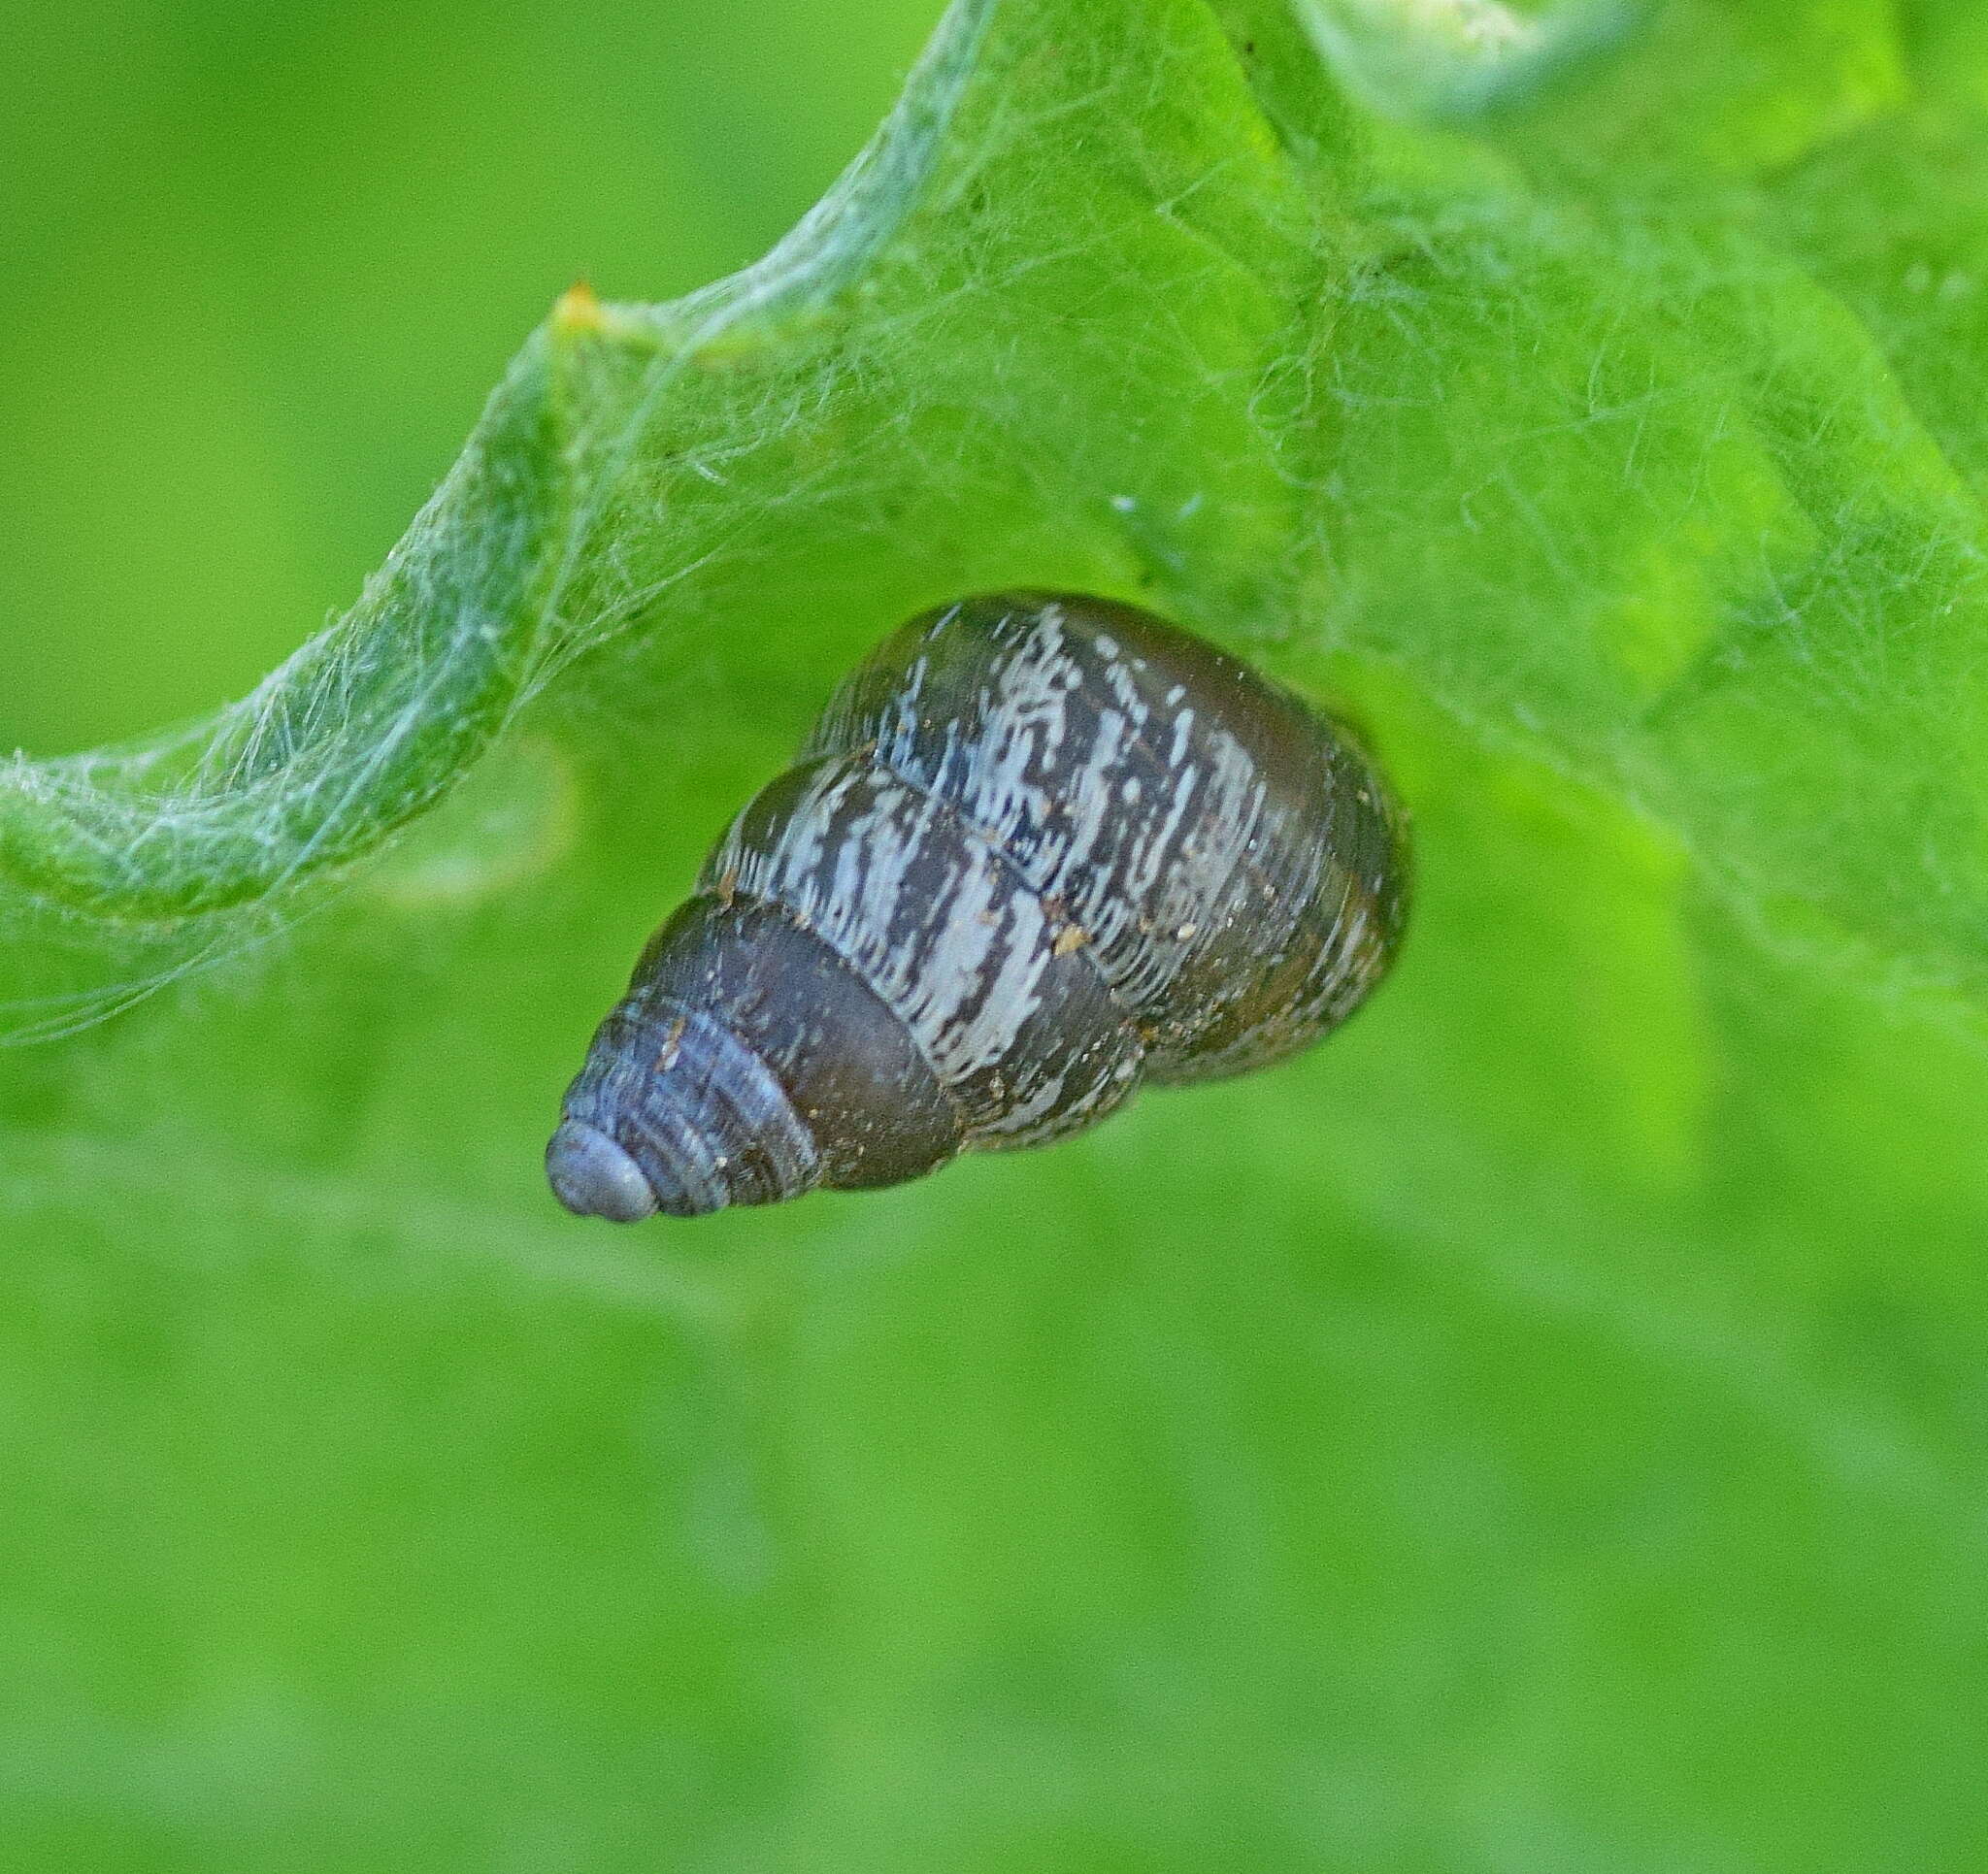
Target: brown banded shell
x=1040 y=848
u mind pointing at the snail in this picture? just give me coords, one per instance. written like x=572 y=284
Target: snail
x=1038 y=848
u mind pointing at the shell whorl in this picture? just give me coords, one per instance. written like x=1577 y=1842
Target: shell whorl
x=1038 y=849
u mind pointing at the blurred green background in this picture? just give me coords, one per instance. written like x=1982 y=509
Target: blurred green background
x=262 y=264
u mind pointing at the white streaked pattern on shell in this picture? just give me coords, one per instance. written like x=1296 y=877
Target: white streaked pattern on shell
x=1040 y=769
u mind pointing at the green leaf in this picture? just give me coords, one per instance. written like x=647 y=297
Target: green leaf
x=1544 y=1429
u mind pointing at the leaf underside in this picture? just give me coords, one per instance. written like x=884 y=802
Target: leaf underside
x=1544 y=1429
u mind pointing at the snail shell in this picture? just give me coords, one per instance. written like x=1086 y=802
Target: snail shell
x=1038 y=848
